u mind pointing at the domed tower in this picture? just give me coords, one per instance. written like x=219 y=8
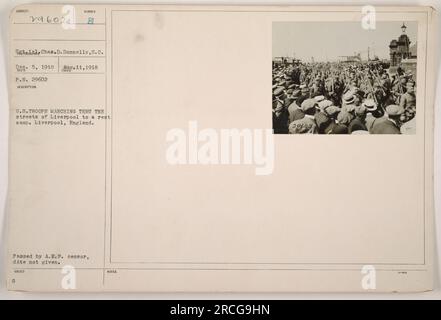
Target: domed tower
x=404 y=43
x=400 y=49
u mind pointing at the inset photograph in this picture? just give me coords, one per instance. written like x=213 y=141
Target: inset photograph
x=339 y=78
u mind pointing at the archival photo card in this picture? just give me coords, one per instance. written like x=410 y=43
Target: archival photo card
x=143 y=158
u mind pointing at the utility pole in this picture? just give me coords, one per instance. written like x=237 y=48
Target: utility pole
x=368 y=55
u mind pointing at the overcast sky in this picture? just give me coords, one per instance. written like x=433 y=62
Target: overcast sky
x=326 y=41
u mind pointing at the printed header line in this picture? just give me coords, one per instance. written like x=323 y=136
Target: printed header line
x=55 y=56
x=59 y=40
x=59 y=23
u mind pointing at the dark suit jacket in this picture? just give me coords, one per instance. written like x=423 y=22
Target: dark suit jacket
x=281 y=122
x=356 y=124
x=339 y=129
x=384 y=126
x=335 y=128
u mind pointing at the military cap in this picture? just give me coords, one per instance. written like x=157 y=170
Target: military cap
x=394 y=110
x=278 y=91
x=319 y=98
x=349 y=107
x=325 y=103
x=344 y=118
x=348 y=97
x=296 y=93
x=308 y=104
x=370 y=104
x=332 y=110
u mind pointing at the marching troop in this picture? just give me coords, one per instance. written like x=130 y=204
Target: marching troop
x=342 y=98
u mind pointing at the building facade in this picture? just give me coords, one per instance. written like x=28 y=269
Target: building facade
x=400 y=48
